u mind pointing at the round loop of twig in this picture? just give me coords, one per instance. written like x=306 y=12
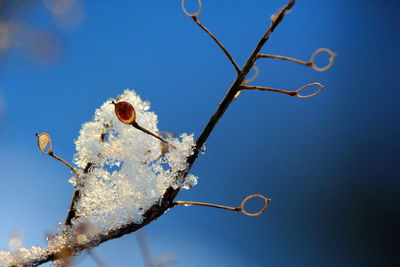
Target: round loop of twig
x=308 y=85
x=193 y=15
x=44 y=143
x=242 y=209
x=331 y=59
x=254 y=77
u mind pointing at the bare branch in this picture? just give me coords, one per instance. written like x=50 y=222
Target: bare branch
x=291 y=93
x=261 y=88
x=305 y=63
x=167 y=200
x=46 y=147
x=238 y=208
x=194 y=16
x=236 y=86
x=310 y=62
x=75 y=198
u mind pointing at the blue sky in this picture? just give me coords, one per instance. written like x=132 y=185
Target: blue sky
x=329 y=163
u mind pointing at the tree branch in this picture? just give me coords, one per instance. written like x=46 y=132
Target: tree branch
x=194 y=16
x=310 y=62
x=167 y=200
x=235 y=87
x=291 y=93
x=230 y=57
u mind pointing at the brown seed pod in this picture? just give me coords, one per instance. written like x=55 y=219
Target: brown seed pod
x=127 y=115
x=125 y=112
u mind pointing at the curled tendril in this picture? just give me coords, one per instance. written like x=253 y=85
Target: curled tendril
x=266 y=201
x=321 y=87
x=44 y=143
x=331 y=59
x=193 y=14
x=239 y=208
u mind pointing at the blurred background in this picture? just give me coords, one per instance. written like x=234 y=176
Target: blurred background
x=330 y=163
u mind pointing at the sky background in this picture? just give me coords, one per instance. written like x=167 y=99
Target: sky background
x=329 y=163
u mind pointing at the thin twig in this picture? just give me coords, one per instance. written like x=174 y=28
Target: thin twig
x=137 y=126
x=310 y=62
x=207 y=205
x=291 y=93
x=249 y=87
x=302 y=62
x=75 y=199
x=195 y=18
x=230 y=57
x=238 y=208
x=235 y=87
x=71 y=210
x=51 y=154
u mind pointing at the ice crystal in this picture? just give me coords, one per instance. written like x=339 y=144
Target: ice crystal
x=22 y=256
x=130 y=173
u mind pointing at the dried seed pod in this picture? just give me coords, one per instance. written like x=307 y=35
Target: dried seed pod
x=125 y=112
x=127 y=115
x=44 y=143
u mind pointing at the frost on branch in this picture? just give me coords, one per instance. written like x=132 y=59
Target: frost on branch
x=22 y=256
x=130 y=173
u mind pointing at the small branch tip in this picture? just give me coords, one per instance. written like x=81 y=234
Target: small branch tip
x=310 y=63
x=290 y=93
x=195 y=19
x=237 y=209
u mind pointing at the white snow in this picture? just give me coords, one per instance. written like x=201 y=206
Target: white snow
x=130 y=175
